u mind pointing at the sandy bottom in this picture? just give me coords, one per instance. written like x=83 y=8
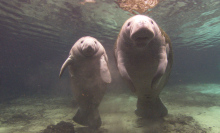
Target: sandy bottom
x=191 y=108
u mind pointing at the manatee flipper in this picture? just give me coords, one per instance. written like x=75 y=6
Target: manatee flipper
x=81 y=117
x=123 y=71
x=150 y=108
x=68 y=61
x=162 y=65
x=88 y=117
x=104 y=71
x=94 y=119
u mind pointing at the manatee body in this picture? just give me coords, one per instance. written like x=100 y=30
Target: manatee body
x=88 y=68
x=144 y=58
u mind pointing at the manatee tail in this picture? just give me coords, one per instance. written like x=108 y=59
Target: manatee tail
x=89 y=117
x=150 y=108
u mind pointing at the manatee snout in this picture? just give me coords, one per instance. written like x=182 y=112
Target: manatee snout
x=88 y=50
x=142 y=31
x=88 y=47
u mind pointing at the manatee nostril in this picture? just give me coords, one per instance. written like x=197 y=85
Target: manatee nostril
x=140 y=23
x=143 y=22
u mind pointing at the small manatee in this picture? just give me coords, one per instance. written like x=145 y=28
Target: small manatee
x=88 y=68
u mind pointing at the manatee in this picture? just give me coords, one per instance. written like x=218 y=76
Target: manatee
x=89 y=72
x=144 y=58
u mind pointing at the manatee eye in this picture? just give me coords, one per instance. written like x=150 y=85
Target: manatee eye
x=81 y=41
x=152 y=22
x=129 y=23
x=95 y=42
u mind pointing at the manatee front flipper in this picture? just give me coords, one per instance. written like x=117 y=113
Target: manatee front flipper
x=162 y=65
x=68 y=61
x=104 y=71
x=123 y=71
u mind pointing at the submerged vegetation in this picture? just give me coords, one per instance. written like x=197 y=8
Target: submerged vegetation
x=140 y=6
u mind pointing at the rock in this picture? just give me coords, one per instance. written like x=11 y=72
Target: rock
x=61 y=127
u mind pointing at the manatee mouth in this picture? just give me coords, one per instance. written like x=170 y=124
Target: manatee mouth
x=89 y=52
x=142 y=34
x=141 y=39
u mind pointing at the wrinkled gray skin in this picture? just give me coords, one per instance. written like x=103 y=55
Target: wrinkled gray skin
x=144 y=58
x=88 y=68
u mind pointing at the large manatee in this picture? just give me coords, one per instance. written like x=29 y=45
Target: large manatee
x=88 y=68
x=144 y=58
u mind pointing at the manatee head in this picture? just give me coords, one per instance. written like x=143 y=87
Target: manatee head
x=140 y=30
x=88 y=46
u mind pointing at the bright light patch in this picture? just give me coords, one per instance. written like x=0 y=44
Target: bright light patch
x=205 y=88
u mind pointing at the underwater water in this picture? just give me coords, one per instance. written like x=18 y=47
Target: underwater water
x=37 y=35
